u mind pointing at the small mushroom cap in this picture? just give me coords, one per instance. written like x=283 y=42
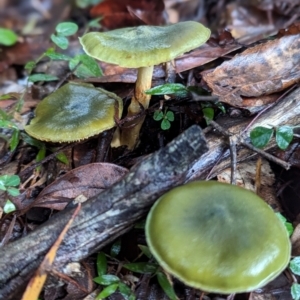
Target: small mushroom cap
x=74 y=112
x=144 y=46
x=217 y=237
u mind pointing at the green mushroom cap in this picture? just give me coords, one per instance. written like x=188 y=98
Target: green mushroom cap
x=74 y=112
x=144 y=46
x=217 y=237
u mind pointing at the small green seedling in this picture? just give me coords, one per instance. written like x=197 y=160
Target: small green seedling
x=165 y=117
x=111 y=283
x=8 y=37
x=260 y=136
x=154 y=269
x=295 y=269
x=9 y=184
x=63 y=30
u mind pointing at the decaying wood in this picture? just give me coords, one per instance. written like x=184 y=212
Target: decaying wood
x=286 y=111
x=103 y=217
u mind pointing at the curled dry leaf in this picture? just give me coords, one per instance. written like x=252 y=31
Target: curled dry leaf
x=88 y=181
x=261 y=70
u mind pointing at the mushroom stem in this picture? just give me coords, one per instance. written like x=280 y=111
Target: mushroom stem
x=129 y=136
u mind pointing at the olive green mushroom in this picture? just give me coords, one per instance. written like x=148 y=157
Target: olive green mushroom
x=74 y=112
x=143 y=47
x=217 y=237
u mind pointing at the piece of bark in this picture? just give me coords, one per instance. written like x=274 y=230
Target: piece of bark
x=104 y=217
x=286 y=111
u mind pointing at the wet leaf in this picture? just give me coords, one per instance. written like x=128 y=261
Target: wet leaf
x=284 y=136
x=106 y=279
x=88 y=180
x=168 y=89
x=66 y=28
x=142 y=267
x=260 y=136
x=295 y=291
x=9 y=207
x=8 y=37
x=61 y=41
x=107 y=291
x=42 y=77
x=101 y=264
x=295 y=265
x=166 y=286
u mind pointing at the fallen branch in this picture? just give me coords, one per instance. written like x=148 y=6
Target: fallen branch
x=286 y=111
x=102 y=218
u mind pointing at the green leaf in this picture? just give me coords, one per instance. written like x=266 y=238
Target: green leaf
x=101 y=264
x=8 y=124
x=66 y=28
x=42 y=77
x=62 y=157
x=41 y=154
x=158 y=115
x=165 y=124
x=14 y=140
x=32 y=141
x=86 y=3
x=56 y=56
x=142 y=267
x=295 y=265
x=30 y=65
x=106 y=279
x=126 y=291
x=166 y=286
x=295 y=291
x=8 y=37
x=9 y=207
x=146 y=251
x=13 y=191
x=88 y=67
x=167 y=89
x=107 y=291
x=61 y=41
x=10 y=180
x=170 y=116
x=284 y=136
x=115 y=248
x=208 y=113
x=288 y=226
x=95 y=23
x=260 y=136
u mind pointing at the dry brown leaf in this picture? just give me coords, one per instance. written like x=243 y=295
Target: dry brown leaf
x=261 y=70
x=123 y=13
x=87 y=181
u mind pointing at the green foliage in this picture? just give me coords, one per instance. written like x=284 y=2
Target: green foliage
x=8 y=37
x=85 y=66
x=295 y=265
x=42 y=77
x=63 y=30
x=166 y=285
x=86 y=3
x=111 y=283
x=9 y=184
x=165 y=117
x=142 y=267
x=260 y=136
x=14 y=139
x=176 y=89
x=9 y=207
x=289 y=226
x=295 y=268
x=295 y=291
